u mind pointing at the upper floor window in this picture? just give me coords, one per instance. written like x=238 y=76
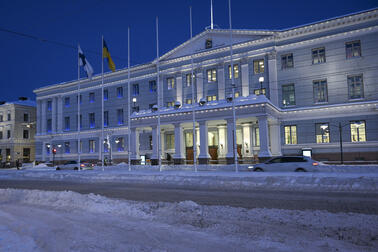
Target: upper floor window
x=106 y=94
x=49 y=105
x=288 y=95
x=170 y=104
x=290 y=134
x=135 y=89
x=208 y=43
x=49 y=125
x=212 y=75
x=210 y=98
x=119 y=92
x=67 y=123
x=171 y=83
x=8 y=134
x=152 y=86
x=1 y=118
x=67 y=102
x=357 y=131
x=92 y=122
x=189 y=79
x=260 y=91
x=322 y=132
x=355 y=86
x=106 y=118
x=287 y=61
x=258 y=66
x=26 y=117
x=236 y=72
x=9 y=116
x=1 y=133
x=120 y=116
x=91 y=97
x=26 y=134
x=80 y=122
x=320 y=91
x=353 y=49
x=318 y=55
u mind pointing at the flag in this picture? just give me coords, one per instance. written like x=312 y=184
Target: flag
x=84 y=63
x=106 y=54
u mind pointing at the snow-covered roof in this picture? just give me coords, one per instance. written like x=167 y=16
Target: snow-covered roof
x=23 y=103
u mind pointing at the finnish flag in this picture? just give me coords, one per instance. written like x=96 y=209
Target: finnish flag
x=84 y=63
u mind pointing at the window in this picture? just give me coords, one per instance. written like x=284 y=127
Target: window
x=288 y=95
x=170 y=104
x=212 y=75
x=318 y=55
x=26 y=117
x=189 y=79
x=106 y=145
x=171 y=83
x=357 y=131
x=92 y=122
x=119 y=92
x=1 y=134
x=91 y=97
x=170 y=141
x=106 y=94
x=355 y=86
x=188 y=101
x=49 y=105
x=322 y=132
x=7 y=154
x=9 y=116
x=257 y=137
x=92 y=146
x=291 y=134
x=120 y=144
x=8 y=134
x=1 y=118
x=26 y=134
x=152 y=86
x=320 y=91
x=49 y=125
x=258 y=66
x=210 y=98
x=236 y=72
x=47 y=148
x=257 y=91
x=208 y=43
x=135 y=89
x=287 y=61
x=67 y=147
x=353 y=49
x=67 y=123
x=120 y=116
x=67 y=102
x=106 y=118
x=26 y=153
x=189 y=139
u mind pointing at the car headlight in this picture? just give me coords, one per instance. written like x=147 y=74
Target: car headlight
x=250 y=167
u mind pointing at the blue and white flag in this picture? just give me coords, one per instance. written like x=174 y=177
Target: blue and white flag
x=84 y=63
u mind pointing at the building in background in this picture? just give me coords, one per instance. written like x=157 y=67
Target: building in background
x=17 y=131
x=298 y=90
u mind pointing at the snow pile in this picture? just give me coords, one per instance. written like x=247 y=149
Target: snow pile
x=67 y=221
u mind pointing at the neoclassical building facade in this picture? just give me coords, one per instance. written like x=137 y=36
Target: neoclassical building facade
x=319 y=88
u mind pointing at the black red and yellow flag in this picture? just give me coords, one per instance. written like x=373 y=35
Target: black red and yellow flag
x=106 y=54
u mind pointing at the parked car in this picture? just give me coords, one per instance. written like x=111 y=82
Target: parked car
x=73 y=165
x=286 y=163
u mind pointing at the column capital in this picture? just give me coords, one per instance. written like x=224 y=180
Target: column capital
x=272 y=55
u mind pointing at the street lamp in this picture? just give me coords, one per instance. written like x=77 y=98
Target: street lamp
x=261 y=80
x=134 y=103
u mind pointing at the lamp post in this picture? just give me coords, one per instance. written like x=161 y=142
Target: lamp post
x=60 y=150
x=261 y=80
x=134 y=103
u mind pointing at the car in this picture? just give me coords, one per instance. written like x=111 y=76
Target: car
x=73 y=165
x=287 y=163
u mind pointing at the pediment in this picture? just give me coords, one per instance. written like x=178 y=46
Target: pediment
x=213 y=39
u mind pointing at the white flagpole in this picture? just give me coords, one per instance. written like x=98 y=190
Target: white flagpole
x=233 y=91
x=128 y=95
x=101 y=144
x=193 y=102
x=158 y=91
x=78 y=109
x=211 y=15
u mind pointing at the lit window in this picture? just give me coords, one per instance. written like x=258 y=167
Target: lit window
x=257 y=91
x=67 y=102
x=189 y=79
x=318 y=55
x=320 y=91
x=212 y=75
x=106 y=94
x=210 y=98
x=287 y=61
x=120 y=116
x=237 y=94
x=256 y=140
x=188 y=101
x=119 y=92
x=291 y=134
x=357 y=131
x=355 y=87
x=92 y=146
x=91 y=97
x=152 y=85
x=135 y=89
x=288 y=95
x=353 y=49
x=322 y=132
x=170 y=104
x=171 y=83
x=92 y=122
x=258 y=66
x=170 y=141
x=236 y=72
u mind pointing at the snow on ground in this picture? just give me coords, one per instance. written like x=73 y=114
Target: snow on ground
x=33 y=220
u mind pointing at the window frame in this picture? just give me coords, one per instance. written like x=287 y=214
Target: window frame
x=283 y=103
x=211 y=75
x=353 y=49
x=171 y=83
x=285 y=59
x=236 y=71
x=257 y=68
x=318 y=55
x=357 y=128
x=354 y=76
x=290 y=136
x=119 y=91
x=322 y=136
x=318 y=85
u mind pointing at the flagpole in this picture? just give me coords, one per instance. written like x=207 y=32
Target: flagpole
x=158 y=91
x=128 y=90
x=78 y=109
x=101 y=144
x=193 y=101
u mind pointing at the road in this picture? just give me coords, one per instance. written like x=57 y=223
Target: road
x=295 y=200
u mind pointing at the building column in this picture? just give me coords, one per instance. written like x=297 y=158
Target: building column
x=134 y=147
x=199 y=81
x=221 y=83
x=179 y=156
x=204 y=156
x=247 y=144
x=230 y=156
x=264 y=153
x=275 y=138
x=222 y=143
x=60 y=114
x=43 y=117
x=245 y=79
x=179 y=89
x=39 y=119
x=154 y=156
x=53 y=115
x=272 y=71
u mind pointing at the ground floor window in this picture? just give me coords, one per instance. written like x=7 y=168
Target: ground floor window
x=291 y=134
x=169 y=141
x=256 y=138
x=67 y=148
x=189 y=139
x=357 y=131
x=322 y=132
x=92 y=145
x=120 y=144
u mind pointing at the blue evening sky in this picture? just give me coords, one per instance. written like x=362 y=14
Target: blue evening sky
x=29 y=63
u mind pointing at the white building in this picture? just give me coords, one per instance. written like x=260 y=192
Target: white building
x=317 y=77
